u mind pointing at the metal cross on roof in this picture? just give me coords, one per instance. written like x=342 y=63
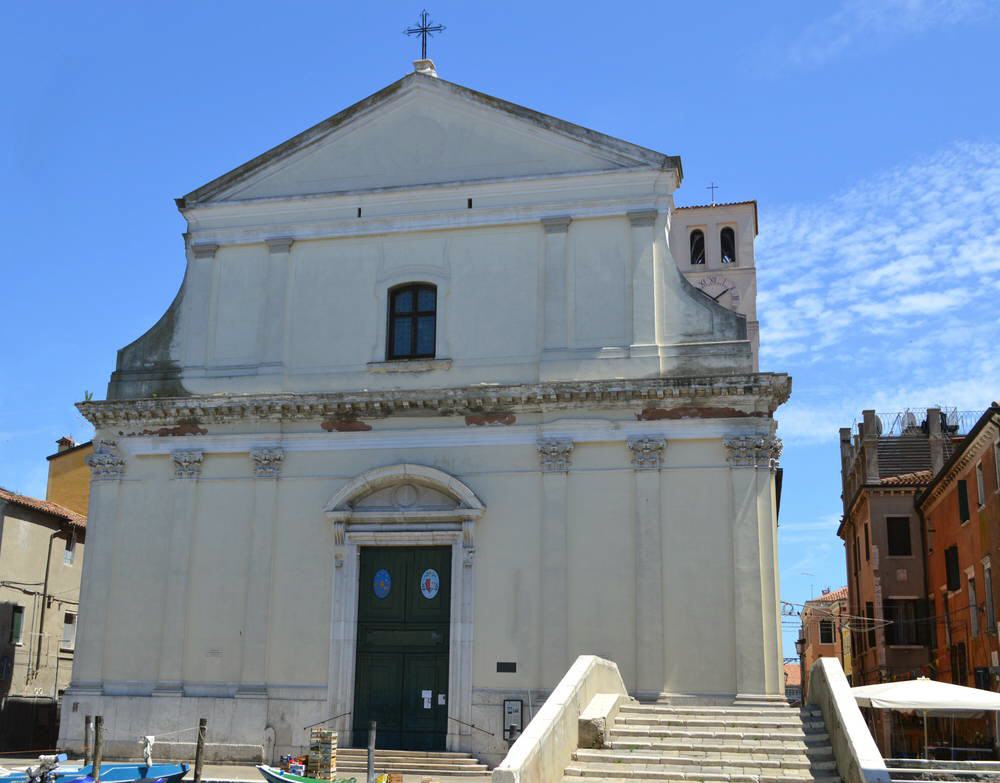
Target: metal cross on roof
x=713 y=187
x=425 y=29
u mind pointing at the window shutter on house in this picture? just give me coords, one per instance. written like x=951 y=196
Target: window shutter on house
x=963 y=502
x=951 y=568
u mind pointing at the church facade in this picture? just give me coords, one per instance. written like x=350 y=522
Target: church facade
x=434 y=411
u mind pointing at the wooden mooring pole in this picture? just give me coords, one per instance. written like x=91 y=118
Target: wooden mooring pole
x=199 y=753
x=98 y=747
x=87 y=756
x=371 y=752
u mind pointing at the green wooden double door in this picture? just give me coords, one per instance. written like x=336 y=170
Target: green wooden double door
x=401 y=676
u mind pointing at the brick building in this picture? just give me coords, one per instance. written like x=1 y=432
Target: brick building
x=885 y=463
x=826 y=632
x=960 y=509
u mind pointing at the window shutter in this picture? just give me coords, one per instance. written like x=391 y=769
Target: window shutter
x=951 y=568
x=963 y=501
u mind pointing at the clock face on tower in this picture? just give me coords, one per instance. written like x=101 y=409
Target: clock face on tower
x=721 y=289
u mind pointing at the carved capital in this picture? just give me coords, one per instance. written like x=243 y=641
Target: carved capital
x=557 y=224
x=339 y=532
x=753 y=451
x=187 y=463
x=267 y=461
x=106 y=463
x=204 y=250
x=642 y=218
x=279 y=244
x=556 y=454
x=468 y=557
x=647 y=452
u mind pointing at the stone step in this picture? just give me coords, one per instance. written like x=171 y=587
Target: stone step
x=637 y=730
x=407 y=768
x=709 y=710
x=610 y=773
x=437 y=754
x=651 y=719
x=700 y=747
x=755 y=763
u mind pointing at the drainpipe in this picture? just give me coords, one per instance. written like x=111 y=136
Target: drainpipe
x=45 y=595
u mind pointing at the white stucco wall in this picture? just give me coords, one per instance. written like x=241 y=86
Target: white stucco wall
x=222 y=573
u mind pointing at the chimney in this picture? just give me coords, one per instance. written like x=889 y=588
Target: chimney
x=65 y=443
x=869 y=438
x=936 y=439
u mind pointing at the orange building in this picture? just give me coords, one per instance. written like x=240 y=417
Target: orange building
x=885 y=464
x=69 y=475
x=961 y=516
x=825 y=632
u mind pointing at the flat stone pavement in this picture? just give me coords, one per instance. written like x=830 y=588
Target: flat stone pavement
x=245 y=773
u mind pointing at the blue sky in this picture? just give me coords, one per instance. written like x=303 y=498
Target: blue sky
x=868 y=131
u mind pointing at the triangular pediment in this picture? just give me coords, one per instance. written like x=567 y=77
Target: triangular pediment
x=424 y=131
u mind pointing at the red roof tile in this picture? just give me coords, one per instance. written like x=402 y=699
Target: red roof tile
x=919 y=478
x=45 y=506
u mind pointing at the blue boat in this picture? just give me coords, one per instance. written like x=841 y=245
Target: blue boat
x=122 y=772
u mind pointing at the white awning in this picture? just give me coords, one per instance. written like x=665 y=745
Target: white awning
x=924 y=695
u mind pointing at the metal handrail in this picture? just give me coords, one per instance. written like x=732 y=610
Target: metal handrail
x=313 y=725
x=471 y=726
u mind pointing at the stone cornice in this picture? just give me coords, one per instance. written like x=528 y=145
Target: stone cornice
x=971 y=449
x=731 y=395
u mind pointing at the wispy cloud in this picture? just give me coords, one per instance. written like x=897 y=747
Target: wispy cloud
x=886 y=295
x=871 y=24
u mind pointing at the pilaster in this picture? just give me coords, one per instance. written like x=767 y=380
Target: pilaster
x=753 y=460
x=556 y=456
x=643 y=289
x=272 y=324
x=647 y=459
x=107 y=467
x=187 y=471
x=256 y=618
x=556 y=285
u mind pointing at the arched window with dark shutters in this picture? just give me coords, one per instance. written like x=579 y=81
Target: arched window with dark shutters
x=412 y=329
x=727 y=242
x=697 y=246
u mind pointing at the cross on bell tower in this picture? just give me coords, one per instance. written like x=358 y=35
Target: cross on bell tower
x=425 y=30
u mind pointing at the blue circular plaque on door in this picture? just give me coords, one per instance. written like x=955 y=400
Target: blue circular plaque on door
x=382 y=583
x=430 y=583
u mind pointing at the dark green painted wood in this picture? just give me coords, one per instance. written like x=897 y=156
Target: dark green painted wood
x=403 y=649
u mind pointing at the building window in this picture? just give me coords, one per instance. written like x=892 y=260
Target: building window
x=69 y=632
x=857 y=556
x=70 y=552
x=996 y=463
x=931 y=623
x=951 y=569
x=727 y=242
x=16 y=624
x=982 y=674
x=697 y=242
x=826 y=632
x=903 y=622
x=963 y=502
x=898 y=531
x=973 y=608
x=959 y=666
x=412 y=322
x=980 y=484
x=870 y=622
x=991 y=618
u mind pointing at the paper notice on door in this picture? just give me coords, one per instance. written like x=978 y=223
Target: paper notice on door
x=426 y=696
x=441 y=699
